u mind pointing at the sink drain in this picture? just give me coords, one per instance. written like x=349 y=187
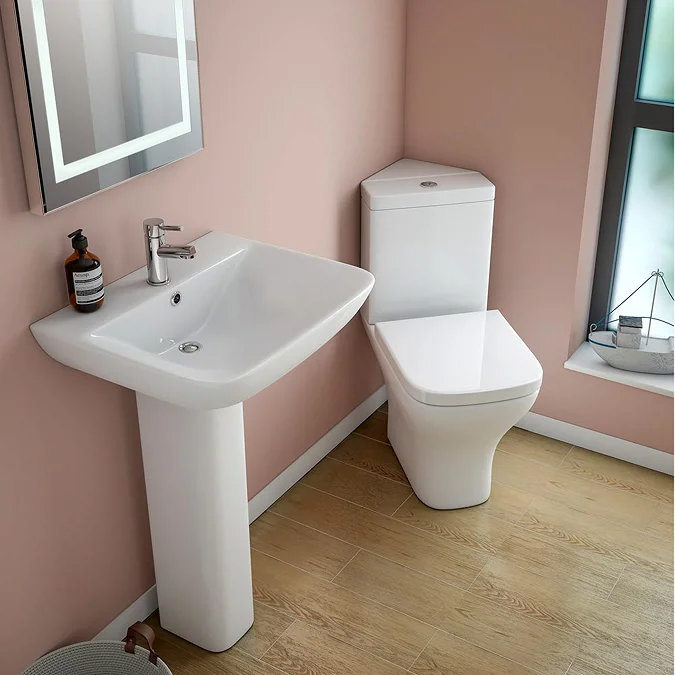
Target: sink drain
x=189 y=347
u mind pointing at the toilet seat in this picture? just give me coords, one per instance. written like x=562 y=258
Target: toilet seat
x=459 y=359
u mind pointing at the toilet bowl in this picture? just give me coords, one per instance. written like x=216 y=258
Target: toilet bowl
x=458 y=376
x=449 y=406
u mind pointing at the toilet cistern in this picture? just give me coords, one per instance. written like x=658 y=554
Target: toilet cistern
x=157 y=251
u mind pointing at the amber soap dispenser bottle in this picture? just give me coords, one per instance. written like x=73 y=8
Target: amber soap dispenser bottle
x=84 y=275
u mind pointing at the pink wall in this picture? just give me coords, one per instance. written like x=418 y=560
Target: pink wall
x=301 y=100
x=509 y=89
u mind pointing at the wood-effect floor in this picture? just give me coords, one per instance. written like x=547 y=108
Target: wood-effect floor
x=566 y=570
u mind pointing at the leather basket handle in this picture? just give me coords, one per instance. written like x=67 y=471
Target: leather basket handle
x=143 y=630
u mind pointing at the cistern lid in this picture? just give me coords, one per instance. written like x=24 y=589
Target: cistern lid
x=410 y=183
x=460 y=359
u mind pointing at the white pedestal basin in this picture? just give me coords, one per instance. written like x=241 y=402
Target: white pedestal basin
x=255 y=312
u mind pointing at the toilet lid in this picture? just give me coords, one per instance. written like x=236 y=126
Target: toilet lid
x=459 y=359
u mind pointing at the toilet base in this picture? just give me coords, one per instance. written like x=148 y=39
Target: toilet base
x=447 y=452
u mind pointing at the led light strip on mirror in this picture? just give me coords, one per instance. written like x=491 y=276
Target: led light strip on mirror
x=63 y=171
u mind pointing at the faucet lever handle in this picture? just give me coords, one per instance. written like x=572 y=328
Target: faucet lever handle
x=153 y=227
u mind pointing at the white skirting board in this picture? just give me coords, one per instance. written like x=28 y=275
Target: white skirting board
x=137 y=611
x=598 y=442
x=147 y=603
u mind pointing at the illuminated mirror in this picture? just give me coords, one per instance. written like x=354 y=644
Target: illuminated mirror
x=111 y=88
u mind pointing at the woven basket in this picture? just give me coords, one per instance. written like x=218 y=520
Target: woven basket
x=104 y=657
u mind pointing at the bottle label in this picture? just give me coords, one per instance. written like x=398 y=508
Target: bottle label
x=88 y=286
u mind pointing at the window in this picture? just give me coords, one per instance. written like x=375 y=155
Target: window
x=636 y=230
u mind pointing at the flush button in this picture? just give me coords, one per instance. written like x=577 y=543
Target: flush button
x=428 y=183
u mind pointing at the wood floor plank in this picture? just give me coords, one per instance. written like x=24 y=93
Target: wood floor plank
x=301 y=546
x=375 y=427
x=371 y=455
x=597 y=499
x=585 y=572
x=554 y=603
x=382 y=535
x=267 y=626
x=343 y=614
x=449 y=655
x=384 y=407
x=522 y=474
x=506 y=503
x=411 y=592
x=662 y=525
x=631 y=658
x=512 y=635
x=472 y=527
x=535 y=447
x=358 y=486
x=568 y=565
x=183 y=658
x=305 y=649
x=646 y=590
x=594 y=534
x=620 y=475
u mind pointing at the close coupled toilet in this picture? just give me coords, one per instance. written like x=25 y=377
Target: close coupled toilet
x=458 y=376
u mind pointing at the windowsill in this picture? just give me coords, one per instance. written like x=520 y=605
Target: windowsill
x=586 y=361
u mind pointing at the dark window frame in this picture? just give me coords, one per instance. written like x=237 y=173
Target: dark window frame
x=629 y=113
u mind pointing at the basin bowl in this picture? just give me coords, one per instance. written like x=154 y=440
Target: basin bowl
x=250 y=311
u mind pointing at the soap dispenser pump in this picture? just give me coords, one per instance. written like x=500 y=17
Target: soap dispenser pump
x=84 y=276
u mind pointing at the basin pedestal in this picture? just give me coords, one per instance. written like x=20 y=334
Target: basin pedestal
x=195 y=477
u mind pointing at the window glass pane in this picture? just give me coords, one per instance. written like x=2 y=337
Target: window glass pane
x=646 y=238
x=656 y=77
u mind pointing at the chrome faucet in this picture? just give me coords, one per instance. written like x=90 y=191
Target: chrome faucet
x=157 y=252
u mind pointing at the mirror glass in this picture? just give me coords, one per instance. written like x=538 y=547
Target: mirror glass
x=113 y=89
